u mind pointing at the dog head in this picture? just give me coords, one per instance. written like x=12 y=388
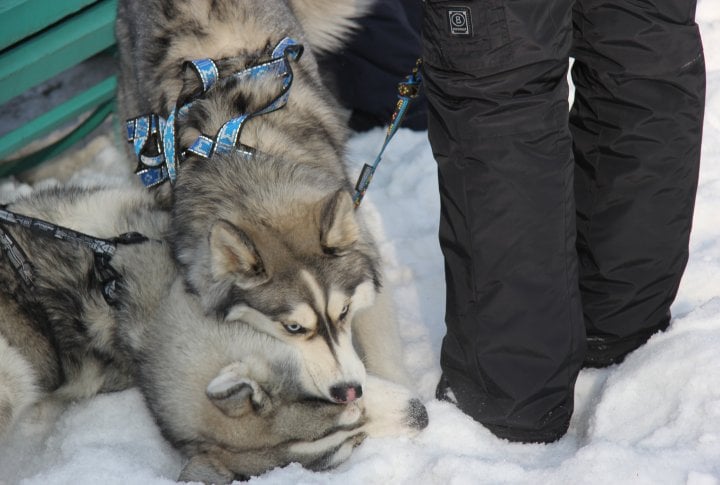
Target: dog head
x=318 y=435
x=277 y=245
x=253 y=421
x=232 y=399
x=301 y=287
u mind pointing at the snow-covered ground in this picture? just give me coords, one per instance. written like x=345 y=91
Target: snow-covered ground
x=655 y=419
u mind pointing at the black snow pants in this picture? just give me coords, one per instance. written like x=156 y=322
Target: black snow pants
x=554 y=224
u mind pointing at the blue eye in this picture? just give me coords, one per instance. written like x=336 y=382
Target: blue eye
x=294 y=328
x=344 y=312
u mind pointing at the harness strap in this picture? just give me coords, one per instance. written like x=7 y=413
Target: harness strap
x=152 y=133
x=407 y=91
x=96 y=245
x=206 y=70
x=107 y=275
x=153 y=137
x=103 y=249
x=18 y=259
x=169 y=146
x=228 y=136
x=141 y=131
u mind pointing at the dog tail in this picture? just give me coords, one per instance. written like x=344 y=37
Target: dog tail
x=329 y=23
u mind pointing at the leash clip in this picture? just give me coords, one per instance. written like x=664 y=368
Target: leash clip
x=407 y=91
x=410 y=87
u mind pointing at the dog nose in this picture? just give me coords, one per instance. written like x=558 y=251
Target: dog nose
x=345 y=393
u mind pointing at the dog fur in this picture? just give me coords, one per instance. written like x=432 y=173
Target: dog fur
x=235 y=401
x=273 y=239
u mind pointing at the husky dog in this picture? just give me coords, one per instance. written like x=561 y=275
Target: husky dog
x=57 y=331
x=267 y=232
x=235 y=401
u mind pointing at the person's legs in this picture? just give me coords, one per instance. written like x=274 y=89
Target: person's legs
x=637 y=125
x=495 y=78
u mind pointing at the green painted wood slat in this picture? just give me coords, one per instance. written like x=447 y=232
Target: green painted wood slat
x=52 y=51
x=16 y=166
x=20 y=19
x=45 y=123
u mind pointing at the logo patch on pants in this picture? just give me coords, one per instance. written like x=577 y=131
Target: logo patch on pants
x=460 y=21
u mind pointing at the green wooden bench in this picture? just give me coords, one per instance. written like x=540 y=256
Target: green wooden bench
x=38 y=40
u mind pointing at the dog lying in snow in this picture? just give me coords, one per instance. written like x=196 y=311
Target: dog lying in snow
x=91 y=301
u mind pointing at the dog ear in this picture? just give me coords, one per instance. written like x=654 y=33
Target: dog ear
x=338 y=228
x=204 y=469
x=233 y=255
x=234 y=393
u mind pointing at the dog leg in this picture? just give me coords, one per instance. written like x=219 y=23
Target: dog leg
x=329 y=451
x=376 y=333
x=18 y=387
x=313 y=421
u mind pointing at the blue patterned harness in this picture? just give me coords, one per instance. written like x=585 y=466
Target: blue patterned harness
x=154 y=134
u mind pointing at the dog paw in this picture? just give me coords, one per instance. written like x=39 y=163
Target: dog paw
x=392 y=410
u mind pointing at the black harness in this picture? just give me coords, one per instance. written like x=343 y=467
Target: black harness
x=103 y=249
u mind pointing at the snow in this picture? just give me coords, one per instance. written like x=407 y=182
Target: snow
x=655 y=419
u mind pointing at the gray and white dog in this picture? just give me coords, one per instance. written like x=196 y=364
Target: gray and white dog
x=235 y=401
x=267 y=233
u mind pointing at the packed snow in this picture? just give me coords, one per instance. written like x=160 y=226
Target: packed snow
x=655 y=419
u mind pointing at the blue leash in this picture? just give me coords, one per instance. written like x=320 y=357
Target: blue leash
x=407 y=91
x=153 y=133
